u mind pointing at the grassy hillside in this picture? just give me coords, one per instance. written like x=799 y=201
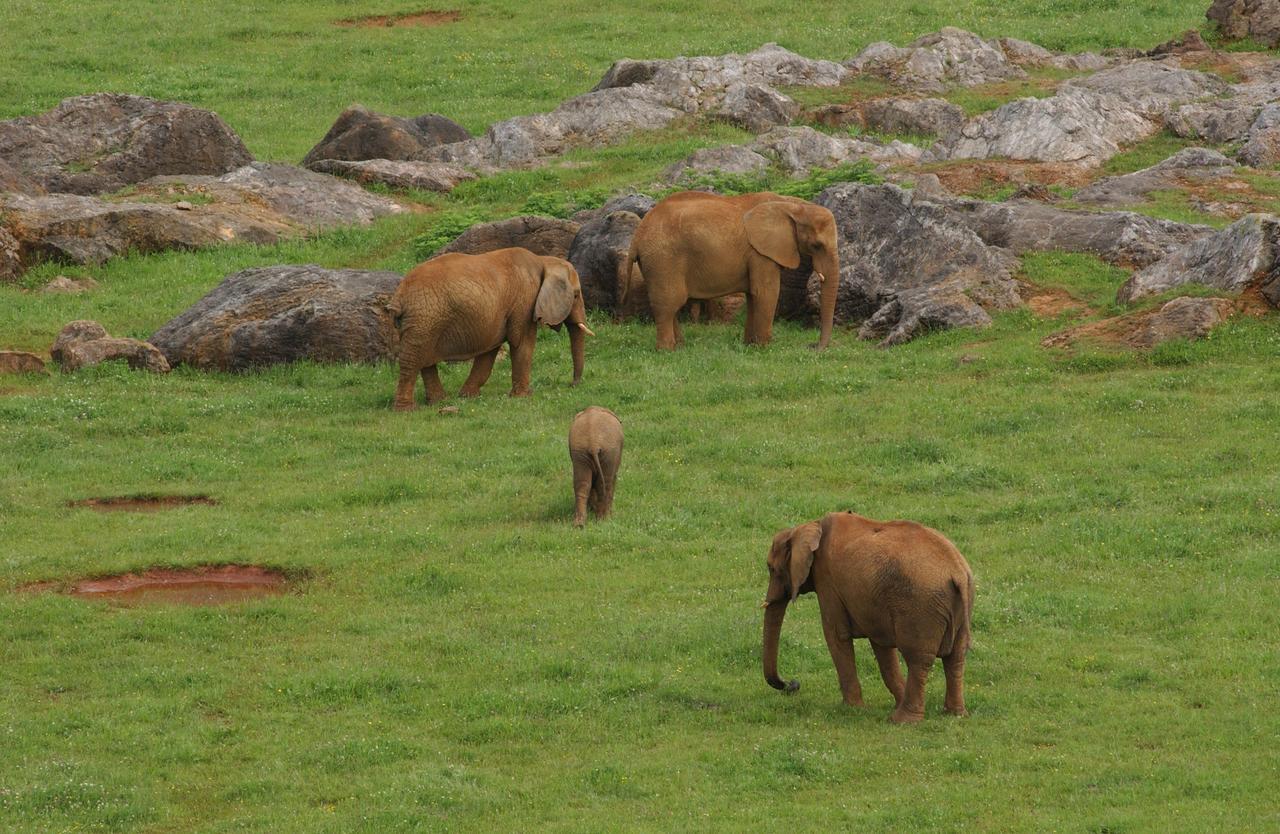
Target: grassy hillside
x=456 y=657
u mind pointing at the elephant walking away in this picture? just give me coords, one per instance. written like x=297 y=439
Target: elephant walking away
x=595 y=447
x=900 y=584
x=695 y=245
x=458 y=307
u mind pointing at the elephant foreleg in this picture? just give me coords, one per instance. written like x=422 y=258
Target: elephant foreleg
x=481 y=367
x=405 y=388
x=762 y=303
x=911 y=709
x=431 y=379
x=840 y=644
x=953 y=666
x=522 y=365
x=890 y=671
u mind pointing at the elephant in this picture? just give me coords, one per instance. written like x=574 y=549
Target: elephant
x=695 y=245
x=456 y=307
x=902 y=585
x=595 y=447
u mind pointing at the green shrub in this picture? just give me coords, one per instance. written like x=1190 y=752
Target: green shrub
x=447 y=226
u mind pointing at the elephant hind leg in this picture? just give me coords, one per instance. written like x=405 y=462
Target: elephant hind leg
x=405 y=388
x=581 y=490
x=431 y=379
x=953 y=666
x=481 y=367
x=890 y=671
x=911 y=709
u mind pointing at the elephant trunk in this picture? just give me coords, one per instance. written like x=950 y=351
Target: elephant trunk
x=773 y=615
x=829 y=269
x=578 y=338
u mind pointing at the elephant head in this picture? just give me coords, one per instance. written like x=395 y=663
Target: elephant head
x=560 y=298
x=790 y=561
x=785 y=231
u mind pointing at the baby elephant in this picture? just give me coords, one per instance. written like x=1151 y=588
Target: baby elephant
x=903 y=586
x=595 y=447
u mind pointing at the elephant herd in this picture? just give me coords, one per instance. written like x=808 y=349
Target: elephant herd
x=903 y=586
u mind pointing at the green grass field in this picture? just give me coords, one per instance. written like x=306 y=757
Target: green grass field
x=456 y=657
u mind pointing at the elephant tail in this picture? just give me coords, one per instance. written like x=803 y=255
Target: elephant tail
x=395 y=310
x=623 y=279
x=957 y=635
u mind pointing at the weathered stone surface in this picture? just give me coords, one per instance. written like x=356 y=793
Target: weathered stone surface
x=12 y=180
x=928 y=116
x=1181 y=318
x=427 y=176
x=598 y=249
x=687 y=82
x=141 y=356
x=69 y=286
x=20 y=362
x=836 y=115
x=103 y=142
x=1188 y=165
x=933 y=62
x=908 y=266
x=277 y=314
x=540 y=235
x=1227 y=260
x=1262 y=145
x=1150 y=87
x=75 y=332
x=1257 y=19
x=259 y=203
x=360 y=134
x=10 y=256
x=798 y=150
x=757 y=108
x=637 y=204
x=1219 y=121
x=729 y=159
x=1024 y=53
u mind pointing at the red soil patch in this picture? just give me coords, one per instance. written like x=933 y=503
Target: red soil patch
x=189 y=586
x=1050 y=303
x=142 y=503
x=426 y=18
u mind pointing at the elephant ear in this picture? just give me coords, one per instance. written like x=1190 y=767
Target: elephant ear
x=804 y=543
x=771 y=231
x=555 y=297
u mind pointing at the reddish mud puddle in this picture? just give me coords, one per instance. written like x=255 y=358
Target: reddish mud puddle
x=142 y=503
x=430 y=17
x=192 y=586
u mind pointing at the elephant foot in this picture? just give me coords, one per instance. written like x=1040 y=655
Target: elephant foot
x=405 y=407
x=520 y=392
x=579 y=521
x=469 y=393
x=958 y=712
x=900 y=716
x=855 y=702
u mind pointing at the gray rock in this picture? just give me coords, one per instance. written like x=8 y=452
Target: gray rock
x=907 y=265
x=927 y=116
x=359 y=134
x=1151 y=87
x=728 y=159
x=685 y=81
x=637 y=204
x=1228 y=260
x=1190 y=164
x=13 y=180
x=836 y=115
x=1262 y=145
x=757 y=108
x=426 y=176
x=1219 y=121
x=597 y=251
x=10 y=256
x=1257 y=19
x=1025 y=53
x=1083 y=62
x=935 y=61
x=100 y=143
x=540 y=235
x=276 y=314
x=20 y=362
x=798 y=150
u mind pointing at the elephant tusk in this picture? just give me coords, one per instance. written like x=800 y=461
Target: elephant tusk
x=586 y=329
x=822 y=279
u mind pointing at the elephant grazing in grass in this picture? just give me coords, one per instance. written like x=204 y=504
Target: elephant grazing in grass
x=695 y=245
x=458 y=307
x=595 y=447
x=900 y=584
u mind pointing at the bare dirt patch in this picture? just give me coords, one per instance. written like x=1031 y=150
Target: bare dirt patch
x=208 y=585
x=425 y=18
x=1051 y=302
x=142 y=503
x=1141 y=330
x=987 y=177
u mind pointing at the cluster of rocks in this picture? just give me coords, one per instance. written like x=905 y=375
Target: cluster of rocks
x=795 y=151
x=83 y=343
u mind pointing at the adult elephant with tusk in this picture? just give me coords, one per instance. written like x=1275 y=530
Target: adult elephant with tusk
x=457 y=307
x=902 y=585
x=695 y=245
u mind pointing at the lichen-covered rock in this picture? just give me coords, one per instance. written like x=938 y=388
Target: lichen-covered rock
x=1228 y=260
x=1257 y=19
x=935 y=61
x=757 y=108
x=100 y=143
x=276 y=314
x=20 y=362
x=1262 y=144
x=926 y=116
x=540 y=235
x=425 y=176
x=359 y=134
x=1188 y=165
x=908 y=266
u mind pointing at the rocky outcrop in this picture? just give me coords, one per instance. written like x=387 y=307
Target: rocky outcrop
x=1229 y=260
x=729 y=159
x=598 y=249
x=794 y=150
x=259 y=203
x=1192 y=165
x=1256 y=19
x=926 y=116
x=1219 y=121
x=100 y=143
x=10 y=256
x=1181 y=318
x=907 y=266
x=425 y=176
x=83 y=343
x=1262 y=143
x=637 y=204
x=270 y=315
x=360 y=134
x=20 y=362
x=936 y=61
x=540 y=235
x=757 y=108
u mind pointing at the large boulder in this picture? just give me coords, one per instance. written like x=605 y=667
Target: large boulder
x=597 y=252
x=1181 y=318
x=1229 y=260
x=100 y=143
x=756 y=108
x=83 y=343
x=425 y=176
x=938 y=60
x=907 y=266
x=360 y=134
x=540 y=235
x=1150 y=87
x=277 y=314
x=637 y=204
x=925 y=116
x=1256 y=19
x=1218 y=121
x=1190 y=165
